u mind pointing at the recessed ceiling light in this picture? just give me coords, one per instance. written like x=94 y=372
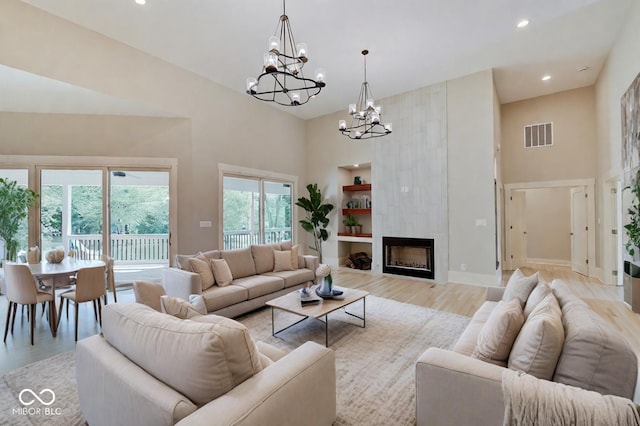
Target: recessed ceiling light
x=141 y=2
x=356 y=165
x=583 y=68
x=546 y=78
x=523 y=23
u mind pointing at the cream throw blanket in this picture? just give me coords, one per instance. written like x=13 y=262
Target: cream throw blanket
x=531 y=401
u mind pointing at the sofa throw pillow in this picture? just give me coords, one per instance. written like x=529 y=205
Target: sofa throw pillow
x=178 y=308
x=295 y=251
x=198 y=303
x=200 y=265
x=520 y=286
x=182 y=261
x=499 y=332
x=263 y=257
x=594 y=355
x=221 y=272
x=282 y=261
x=240 y=262
x=537 y=295
x=538 y=346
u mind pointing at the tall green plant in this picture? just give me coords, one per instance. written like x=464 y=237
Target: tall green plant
x=15 y=202
x=633 y=227
x=317 y=217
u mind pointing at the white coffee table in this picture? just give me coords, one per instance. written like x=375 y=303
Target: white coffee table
x=291 y=303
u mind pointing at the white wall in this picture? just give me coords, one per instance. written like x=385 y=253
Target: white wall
x=548 y=225
x=621 y=67
x=471 y=139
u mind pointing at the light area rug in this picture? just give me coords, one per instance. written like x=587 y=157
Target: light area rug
x=375 y=365
x=56 y=374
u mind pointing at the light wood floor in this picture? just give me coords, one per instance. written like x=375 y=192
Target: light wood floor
x=456 y=298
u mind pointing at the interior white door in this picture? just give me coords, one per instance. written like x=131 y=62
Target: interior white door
x=579 y=231
x=517 y=230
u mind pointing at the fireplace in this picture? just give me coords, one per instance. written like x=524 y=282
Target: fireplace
x=413 y=257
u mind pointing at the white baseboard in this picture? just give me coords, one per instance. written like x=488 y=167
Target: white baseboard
x=471 y=278
x=554 y=262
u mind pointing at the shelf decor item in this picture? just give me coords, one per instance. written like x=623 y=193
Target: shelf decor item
x=365 y=115
x=282 y=80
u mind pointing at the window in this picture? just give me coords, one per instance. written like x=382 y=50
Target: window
x=255 y=211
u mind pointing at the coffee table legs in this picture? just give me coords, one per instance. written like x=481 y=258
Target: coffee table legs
x=326 y=321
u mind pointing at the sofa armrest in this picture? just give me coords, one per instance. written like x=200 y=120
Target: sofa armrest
x=299 y=389
x=311 y=262
x=494 y=294
x=452 y=388
x=180 y=283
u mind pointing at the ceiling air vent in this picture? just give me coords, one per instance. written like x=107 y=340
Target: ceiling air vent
x=536 y=135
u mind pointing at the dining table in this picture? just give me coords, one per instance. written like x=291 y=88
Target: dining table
x=58 y=274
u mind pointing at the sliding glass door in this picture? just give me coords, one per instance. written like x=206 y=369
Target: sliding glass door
x=139 y=212
x=255 y=211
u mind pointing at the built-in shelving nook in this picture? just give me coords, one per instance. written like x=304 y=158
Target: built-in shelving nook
x=354 y=193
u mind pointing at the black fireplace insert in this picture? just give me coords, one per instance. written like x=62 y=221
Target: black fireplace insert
x=413 y=257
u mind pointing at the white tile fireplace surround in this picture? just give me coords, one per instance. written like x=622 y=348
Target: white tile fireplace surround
x=413 y=257
x=409 y=172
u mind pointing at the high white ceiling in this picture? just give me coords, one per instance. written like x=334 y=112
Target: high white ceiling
x=412 y=43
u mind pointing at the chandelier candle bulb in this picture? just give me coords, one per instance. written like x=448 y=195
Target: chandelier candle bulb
x=270 y=62
x=352 y=109
x=302 y=50
x=370 y=104
x=387 y=127
x=295 y=98
x=342 y=125
x=321 y=76
x=358 y=134
x=252 y=84
x=375 y=117
x=274 y=44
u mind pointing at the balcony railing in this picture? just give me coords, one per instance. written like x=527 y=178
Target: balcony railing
x=154 y=248
x=244 y=238
x=125 y=248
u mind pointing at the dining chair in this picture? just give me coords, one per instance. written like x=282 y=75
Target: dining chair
x=22 y=290
x=111 y=284
x=90 y=287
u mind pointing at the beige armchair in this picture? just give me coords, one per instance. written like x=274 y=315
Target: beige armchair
x=21 y=290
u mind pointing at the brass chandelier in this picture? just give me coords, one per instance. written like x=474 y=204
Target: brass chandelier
x=366 y=115
x=282 y=80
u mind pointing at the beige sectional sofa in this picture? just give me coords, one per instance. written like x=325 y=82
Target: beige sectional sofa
x=558 y=339
x=257 y=276
x=151 y=368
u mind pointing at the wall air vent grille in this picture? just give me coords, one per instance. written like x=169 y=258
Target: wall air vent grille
x=536 y=135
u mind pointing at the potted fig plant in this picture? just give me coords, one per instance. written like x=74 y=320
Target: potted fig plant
x=317 y=217
x=14 y=208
